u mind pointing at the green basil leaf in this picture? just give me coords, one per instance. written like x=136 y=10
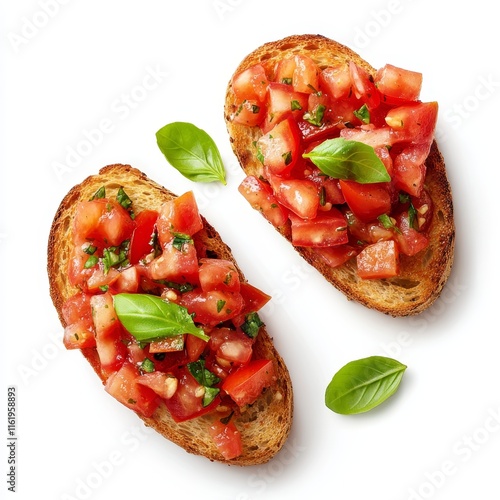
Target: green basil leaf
x=348 y=160
x=191 y=151
x=362 y=385
x=149 y=318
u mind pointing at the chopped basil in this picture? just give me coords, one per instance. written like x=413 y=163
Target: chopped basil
x=412 y=217
x=316 y=116
x=123 y=199
x=147 y=366
x=205 y=378
x=180 y=240
x=363 y=113
x=100 y=193
x=295 y=105
x=287 y=157
x=220 y=305
x=90 y=250
x=91 y=262
x=252 y=324
x=286 y=81
x=115 y=256
x=388 y=223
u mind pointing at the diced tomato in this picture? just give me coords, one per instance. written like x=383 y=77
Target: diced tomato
x=174 y=264
x=123 y=386
x=194 y=347
x=398 y=84
x=77 y=308
x=367 y=201
x=367 y=232
x=330 y=188
x=168 y=344
x=179 y=215
x=218 y=274
x=246 y=384
x=227 y=438
x=187 y=401
x=336 y=81
x=163 y=384
x=282 y=100
x=280 y=147
x=127 y=281
x=336 y=256
x=301 y=196
x=78 y=273
x=251 y=84
x=379 y=260
x=363 y=86
x=142 y=237
x=213 y=307
x=254 y=298
x=79 y=335
x=101 y=278
x=409 y=169
x=261 y=198
x=414 y=123
x=325 y=230
x=232 y=346
x=103 y=314
x=305 y=75
x=374 y=137
x=250 y=113
x=410 y=240
x=104 y=222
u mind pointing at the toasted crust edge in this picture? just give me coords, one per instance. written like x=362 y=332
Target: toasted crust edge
x=266 y=425
x=421 y=281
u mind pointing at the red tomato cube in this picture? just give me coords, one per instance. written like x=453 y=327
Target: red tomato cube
x=378 y=260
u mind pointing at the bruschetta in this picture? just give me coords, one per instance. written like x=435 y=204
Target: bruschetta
x=341 y=158
x=148 y=292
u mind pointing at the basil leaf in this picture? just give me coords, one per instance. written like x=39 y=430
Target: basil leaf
x=149 y=318
x=205 y=378
x=349 y=160
x=362 y=385
x=191 y=151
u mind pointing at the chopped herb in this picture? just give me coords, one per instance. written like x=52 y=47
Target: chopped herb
x=363 y=113
x=295 y=105
x=180 y=240
x=252 y=325
x=286 y=81
x=100 y=193
x=205 y=378
x=287 y=157
x=388 y=223
x=123 y=199
x=147 y=366
x=316 y=116
x=220 y=305
x=227 y=419
x=90 y=250
x=91 y=262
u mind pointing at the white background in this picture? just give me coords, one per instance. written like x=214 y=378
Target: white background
x=74 y=77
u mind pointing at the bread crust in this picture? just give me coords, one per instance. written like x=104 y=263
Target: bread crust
x=266 y=424
x=423 y=278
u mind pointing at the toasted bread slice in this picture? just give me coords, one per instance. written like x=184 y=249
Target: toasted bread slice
x=266 y=424
x=421 y=279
